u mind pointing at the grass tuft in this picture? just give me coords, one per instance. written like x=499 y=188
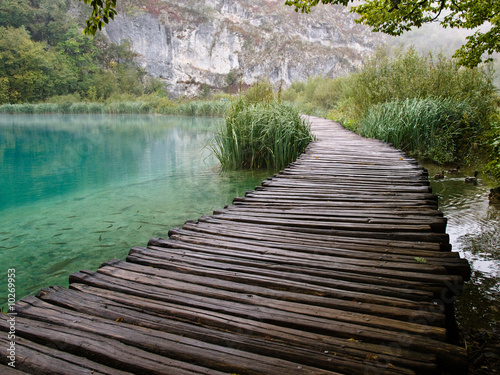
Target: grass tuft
x=260 y=135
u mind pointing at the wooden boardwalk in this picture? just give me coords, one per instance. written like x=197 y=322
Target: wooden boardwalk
x=340 y=264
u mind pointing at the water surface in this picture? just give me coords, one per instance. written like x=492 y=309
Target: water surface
x=79 y=190
x=474 y=229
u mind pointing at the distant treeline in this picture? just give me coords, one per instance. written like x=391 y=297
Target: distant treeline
x=43 y=54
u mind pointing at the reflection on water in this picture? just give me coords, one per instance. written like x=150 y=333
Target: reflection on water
x=474 y=229
x=80 y=190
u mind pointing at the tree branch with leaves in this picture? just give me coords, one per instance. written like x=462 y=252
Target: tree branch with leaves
x=394 y=17
x=102 y=12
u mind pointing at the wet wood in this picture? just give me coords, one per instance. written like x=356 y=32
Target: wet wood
x=339 y=264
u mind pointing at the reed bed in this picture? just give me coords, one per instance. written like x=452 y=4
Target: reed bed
x=434 y=128
x=264 y=135
x=201 y=108
x=167 y=107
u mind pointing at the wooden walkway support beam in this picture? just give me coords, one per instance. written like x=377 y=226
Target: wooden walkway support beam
x=339 y=264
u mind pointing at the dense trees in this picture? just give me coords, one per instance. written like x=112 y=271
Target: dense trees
x=397 y=16
x=28 y=72
x=43 y=54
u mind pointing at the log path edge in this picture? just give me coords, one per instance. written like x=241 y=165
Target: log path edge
x=339 y=264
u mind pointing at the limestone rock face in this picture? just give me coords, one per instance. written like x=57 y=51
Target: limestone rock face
x=195 y=43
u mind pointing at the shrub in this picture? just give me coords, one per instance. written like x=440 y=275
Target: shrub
x=411 y=75
x=261 y=91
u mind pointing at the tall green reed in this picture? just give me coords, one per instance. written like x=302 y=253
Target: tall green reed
x=267 y=135
x=438 y=129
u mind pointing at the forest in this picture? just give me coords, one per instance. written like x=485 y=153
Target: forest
x=44 y=56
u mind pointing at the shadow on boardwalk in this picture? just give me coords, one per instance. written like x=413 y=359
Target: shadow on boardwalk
x=340 y=264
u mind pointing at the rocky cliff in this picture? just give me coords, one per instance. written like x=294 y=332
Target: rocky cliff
x=193 y=44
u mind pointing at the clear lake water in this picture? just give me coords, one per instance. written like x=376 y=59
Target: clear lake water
x=78 y=190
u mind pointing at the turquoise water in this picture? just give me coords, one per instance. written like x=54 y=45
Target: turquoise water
x=79 y=190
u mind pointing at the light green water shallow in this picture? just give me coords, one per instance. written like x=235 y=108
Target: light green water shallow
x=79 y=190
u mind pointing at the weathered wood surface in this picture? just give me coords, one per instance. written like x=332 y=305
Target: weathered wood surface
x=339 y=264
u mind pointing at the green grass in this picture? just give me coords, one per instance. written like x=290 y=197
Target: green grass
x=431 y=128
x=262 y=135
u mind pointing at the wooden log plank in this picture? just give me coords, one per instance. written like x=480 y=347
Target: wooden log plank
x=338 y=196
x=257 y=233
x=258 y=267
x=287 y=296
x=7 y=370
x=336 y=250
x=104 y=350
x=321 y=262
x=338 y=274
x=302 y=252
x=325 y=161
x=33 y=358
x=450 y=355
x=242 y=327
x=104 y=308
x=339 y=171
x=192 y=352
x=247 y=305
x=434 y=317
x=327 y=185
x=335 y=204
x=341 y=191
x=411 y=214
x=324 y=156
x=303 y=223
x=352 y=179
x=437 y=224
x=441 y=238
x=340 y=174
x=291 y=265
x=346 y=200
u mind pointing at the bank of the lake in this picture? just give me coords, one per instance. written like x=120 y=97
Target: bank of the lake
x=147 y=104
